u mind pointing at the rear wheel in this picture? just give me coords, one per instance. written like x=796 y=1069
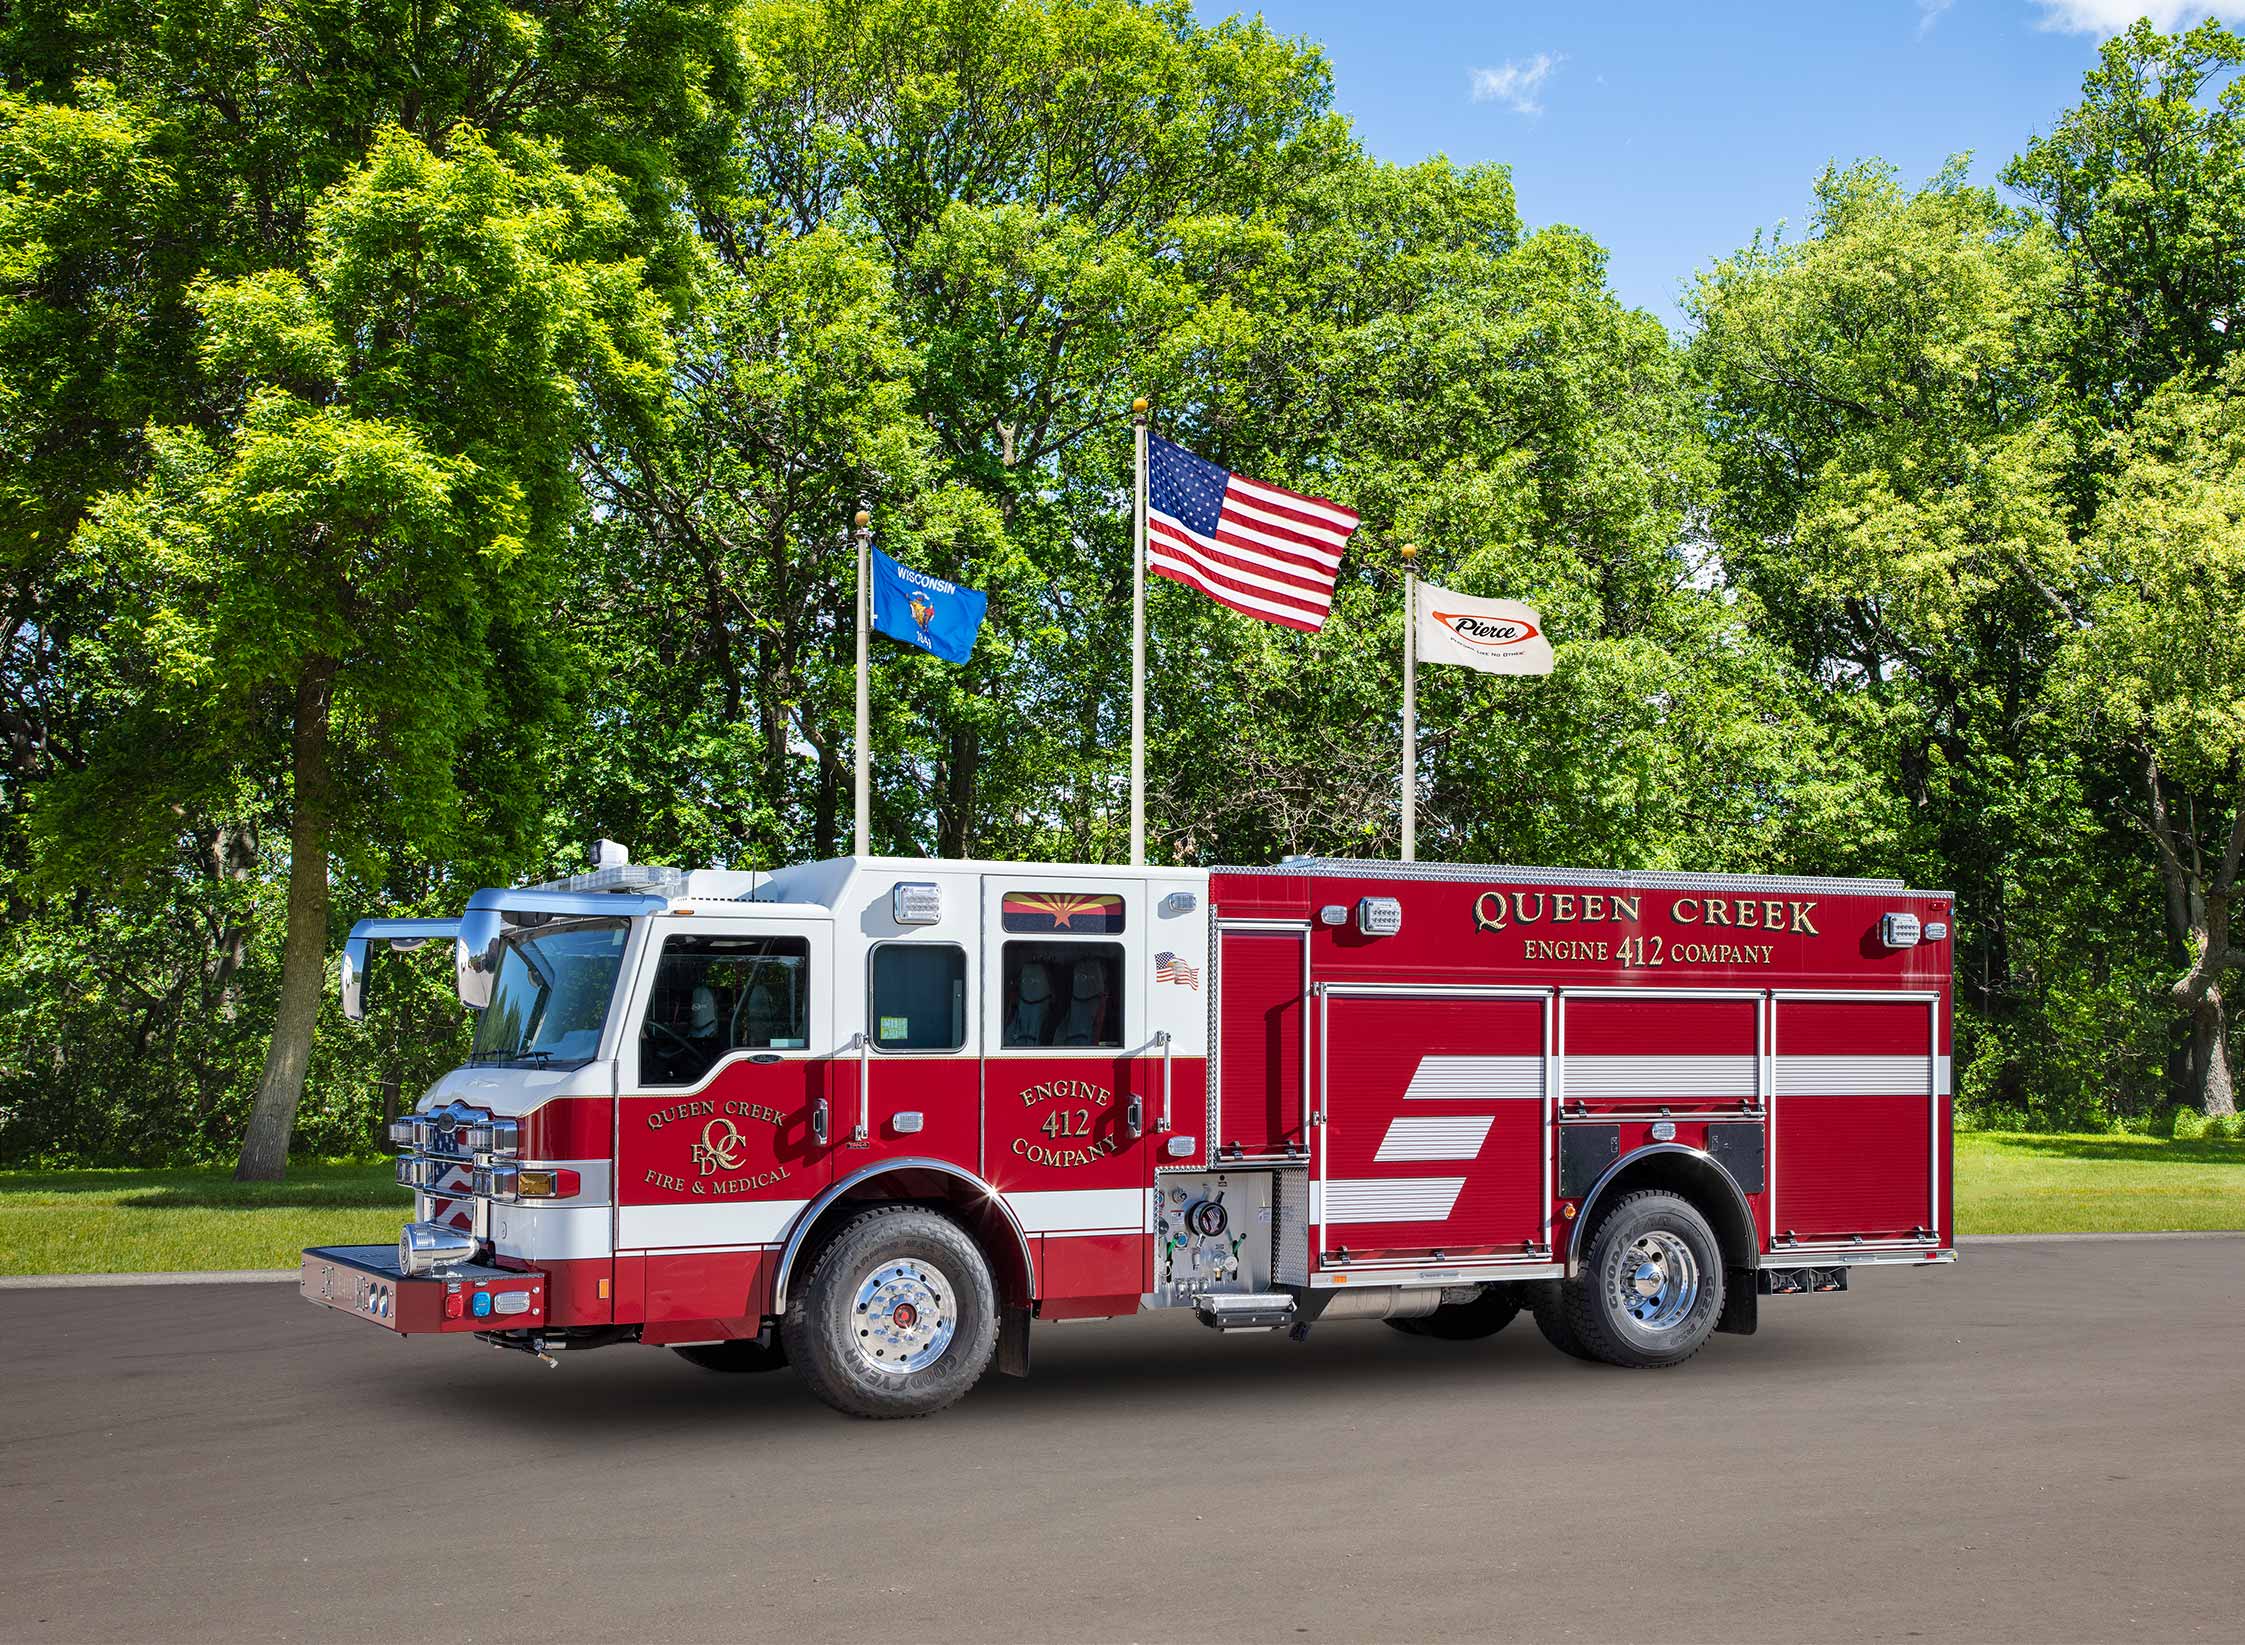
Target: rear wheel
x=1549 y=1305
x=898 y=1318
x=1487 y=1314
x=1650 y=1287
x=745 y=1355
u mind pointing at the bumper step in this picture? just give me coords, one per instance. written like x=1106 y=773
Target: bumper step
x=1246 y=1311
x=365 y=1282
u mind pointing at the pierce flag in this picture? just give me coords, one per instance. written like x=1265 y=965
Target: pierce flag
x=1495 y=636
x=925 y=611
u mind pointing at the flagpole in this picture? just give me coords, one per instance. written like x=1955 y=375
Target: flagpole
x=1410 y=705
x=1138 y=644
x=862 y=801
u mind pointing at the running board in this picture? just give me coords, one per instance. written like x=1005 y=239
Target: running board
x=1245 y=1311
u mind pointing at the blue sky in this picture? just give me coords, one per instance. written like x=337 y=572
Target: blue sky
x=1671 y=131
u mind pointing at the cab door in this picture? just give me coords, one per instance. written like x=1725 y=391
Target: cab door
x=1072 y=1074
x=725 y=1083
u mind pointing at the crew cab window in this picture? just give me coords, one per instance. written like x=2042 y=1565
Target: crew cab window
x=1063 y=994
x=919 y=996
x=716 y=995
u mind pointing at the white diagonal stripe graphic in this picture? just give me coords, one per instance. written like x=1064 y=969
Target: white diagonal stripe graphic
x=1435 y=1136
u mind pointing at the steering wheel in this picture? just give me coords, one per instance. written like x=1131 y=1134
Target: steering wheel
x=678 y=1041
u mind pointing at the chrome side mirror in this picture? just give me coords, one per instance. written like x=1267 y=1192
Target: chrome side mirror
x=350 y=980
x=475 y=955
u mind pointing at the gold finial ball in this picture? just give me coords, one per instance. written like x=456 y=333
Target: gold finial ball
x=1138 y=408
x=1410 y=551
x=863 y=519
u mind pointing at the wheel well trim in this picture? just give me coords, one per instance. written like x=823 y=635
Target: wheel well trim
x=1649 y=1151
x=819 y=1207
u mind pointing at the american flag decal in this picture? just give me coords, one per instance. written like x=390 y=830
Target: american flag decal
x=1260 y=549
x=1169 y=968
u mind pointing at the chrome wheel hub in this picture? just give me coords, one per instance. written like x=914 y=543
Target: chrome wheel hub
x=903 y=1316
x=1656 y=1280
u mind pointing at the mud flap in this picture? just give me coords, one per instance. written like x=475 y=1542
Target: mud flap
x=1013 y=1342
x=1742 y=1304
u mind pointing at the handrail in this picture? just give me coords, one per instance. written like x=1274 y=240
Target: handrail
x=864 y=1132
x=1164 y=1039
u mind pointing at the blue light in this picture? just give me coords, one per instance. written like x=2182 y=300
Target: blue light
x=481 y=1306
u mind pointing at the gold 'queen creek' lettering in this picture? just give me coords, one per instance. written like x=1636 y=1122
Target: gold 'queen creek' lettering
x=1502 y=911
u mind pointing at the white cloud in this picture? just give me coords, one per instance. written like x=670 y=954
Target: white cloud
x=1929 y=13
x=1516 y=84
x=2103 y=17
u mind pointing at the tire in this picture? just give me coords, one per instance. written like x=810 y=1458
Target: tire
x=898 y=1318
x=747 y=1354
x=1650 y=1288
x=1549 y=1306
x=1487 y=1314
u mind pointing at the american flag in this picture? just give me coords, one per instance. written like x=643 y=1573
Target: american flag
x=1169 y=968
x=1261 y=550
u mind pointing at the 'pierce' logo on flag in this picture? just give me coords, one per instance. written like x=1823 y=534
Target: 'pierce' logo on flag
x=1260 y=549
x=1495 y=636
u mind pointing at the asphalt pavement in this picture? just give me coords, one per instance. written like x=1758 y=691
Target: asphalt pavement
x=2042 y=1443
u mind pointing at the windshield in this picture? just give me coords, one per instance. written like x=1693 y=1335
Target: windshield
x=550 y=997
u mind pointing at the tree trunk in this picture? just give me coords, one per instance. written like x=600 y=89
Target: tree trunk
x=304 y=951
x=2198 y=912
x=2217 y=1089
x=955 y=822
x=233 y=857
x=826 y=816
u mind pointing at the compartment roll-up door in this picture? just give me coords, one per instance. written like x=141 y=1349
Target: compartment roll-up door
x=1643 y=1050
x=1436 y=1124
x=1854 y=1118
x=1262 y=980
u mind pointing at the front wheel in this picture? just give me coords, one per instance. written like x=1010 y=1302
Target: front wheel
x=899 y=1317
x=1651 y=1285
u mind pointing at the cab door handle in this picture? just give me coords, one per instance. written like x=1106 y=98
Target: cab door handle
x=822 y=1120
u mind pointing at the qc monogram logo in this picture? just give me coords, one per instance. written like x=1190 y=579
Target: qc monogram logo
x=721 y=1148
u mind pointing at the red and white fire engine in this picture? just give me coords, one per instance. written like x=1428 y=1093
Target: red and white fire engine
x=874 y=1116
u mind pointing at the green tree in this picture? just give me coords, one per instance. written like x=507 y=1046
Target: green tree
x=2156 y=672
x=2143 y=187
x=358 y=561
x=143 y=157
x=1893 y=470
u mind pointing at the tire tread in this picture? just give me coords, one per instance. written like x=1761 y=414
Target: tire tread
x=798 y=1330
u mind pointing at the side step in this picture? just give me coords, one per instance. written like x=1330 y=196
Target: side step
x=1794 y=1282
x=1245 y=1311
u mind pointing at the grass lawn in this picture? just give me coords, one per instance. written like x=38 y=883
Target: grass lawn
x=93 y=1222
x=108 y=1222
x=2016 y=1183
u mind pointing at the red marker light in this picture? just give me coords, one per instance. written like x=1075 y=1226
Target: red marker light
x=455 y=1305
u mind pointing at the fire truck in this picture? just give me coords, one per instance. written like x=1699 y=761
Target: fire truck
x=871 y=1118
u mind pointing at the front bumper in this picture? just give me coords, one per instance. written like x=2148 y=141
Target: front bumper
x=365 y=1282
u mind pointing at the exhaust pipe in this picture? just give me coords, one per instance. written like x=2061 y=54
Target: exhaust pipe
x=1393 y=1301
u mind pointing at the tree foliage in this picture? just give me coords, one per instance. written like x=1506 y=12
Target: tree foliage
x=428 y=438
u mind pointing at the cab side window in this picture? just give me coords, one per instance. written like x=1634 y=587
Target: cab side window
x=716 y=995
x=919 y=996
x=1067 y=995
